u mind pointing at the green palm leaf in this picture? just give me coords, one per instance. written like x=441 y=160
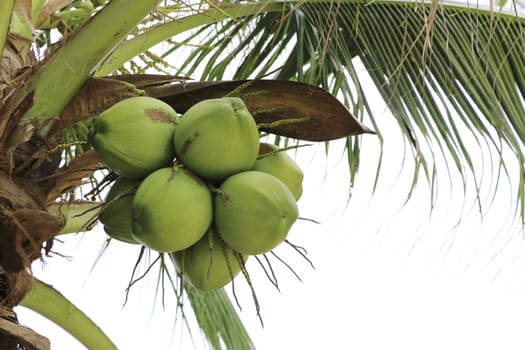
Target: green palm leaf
x=447 y=73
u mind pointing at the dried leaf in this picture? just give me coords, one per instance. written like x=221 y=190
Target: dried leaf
x=21 y=337
x=34 y=228
x=74 y=174
x=24 y=232
x=13 y=109
x=15 y=287
x=285 y=108
x=22 y=21
x=98 y=94
x=15 y=73
x=17 y=58
x=24 y=223
x=142 y=81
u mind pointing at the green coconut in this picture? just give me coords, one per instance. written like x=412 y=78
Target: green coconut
x=254 y=212
x=119 y=235
x=273 y=161
x=217 y=138
x=115 y=215
x=134 y=137
x=172 y=209
x=210 y=263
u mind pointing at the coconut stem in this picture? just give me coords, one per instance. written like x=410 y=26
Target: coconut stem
x=271 y=276
x=284 y=149
x=301 y=252
x=132 y=281
x=246 y=275
x=287 y=265
x=210 y=249
x=265 y=110
x=236 y=92
x=308 y=219
x=100 y=186
x=63 y=146
x=281 y=122
x=220 y=193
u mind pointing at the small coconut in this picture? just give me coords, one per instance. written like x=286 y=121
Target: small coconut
x=254 y=212
x=273 y=161
x=134 y=137
x=115 y=215
x=216 y=138
x=210 y=263
x=172 y=209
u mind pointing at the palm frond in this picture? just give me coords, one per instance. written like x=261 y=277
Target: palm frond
x=447 y=73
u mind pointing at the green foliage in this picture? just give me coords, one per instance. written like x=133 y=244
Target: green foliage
x=74 y=62
x=447 y=73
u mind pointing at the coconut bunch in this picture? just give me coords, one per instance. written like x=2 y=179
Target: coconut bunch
x=200 y=186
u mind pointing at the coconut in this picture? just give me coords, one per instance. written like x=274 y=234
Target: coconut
x=217 y=138
x=172 y=209
x=210 y=263
x=254 y=212
x=119 y=235
x=134 y=137
x=115 y=215
x=273 y=161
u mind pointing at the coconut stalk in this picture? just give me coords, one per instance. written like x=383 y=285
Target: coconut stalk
x=59 y=78
x=76 y=215
x=50 y=303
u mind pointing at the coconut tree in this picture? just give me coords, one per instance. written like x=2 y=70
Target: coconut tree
x=446 y=71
